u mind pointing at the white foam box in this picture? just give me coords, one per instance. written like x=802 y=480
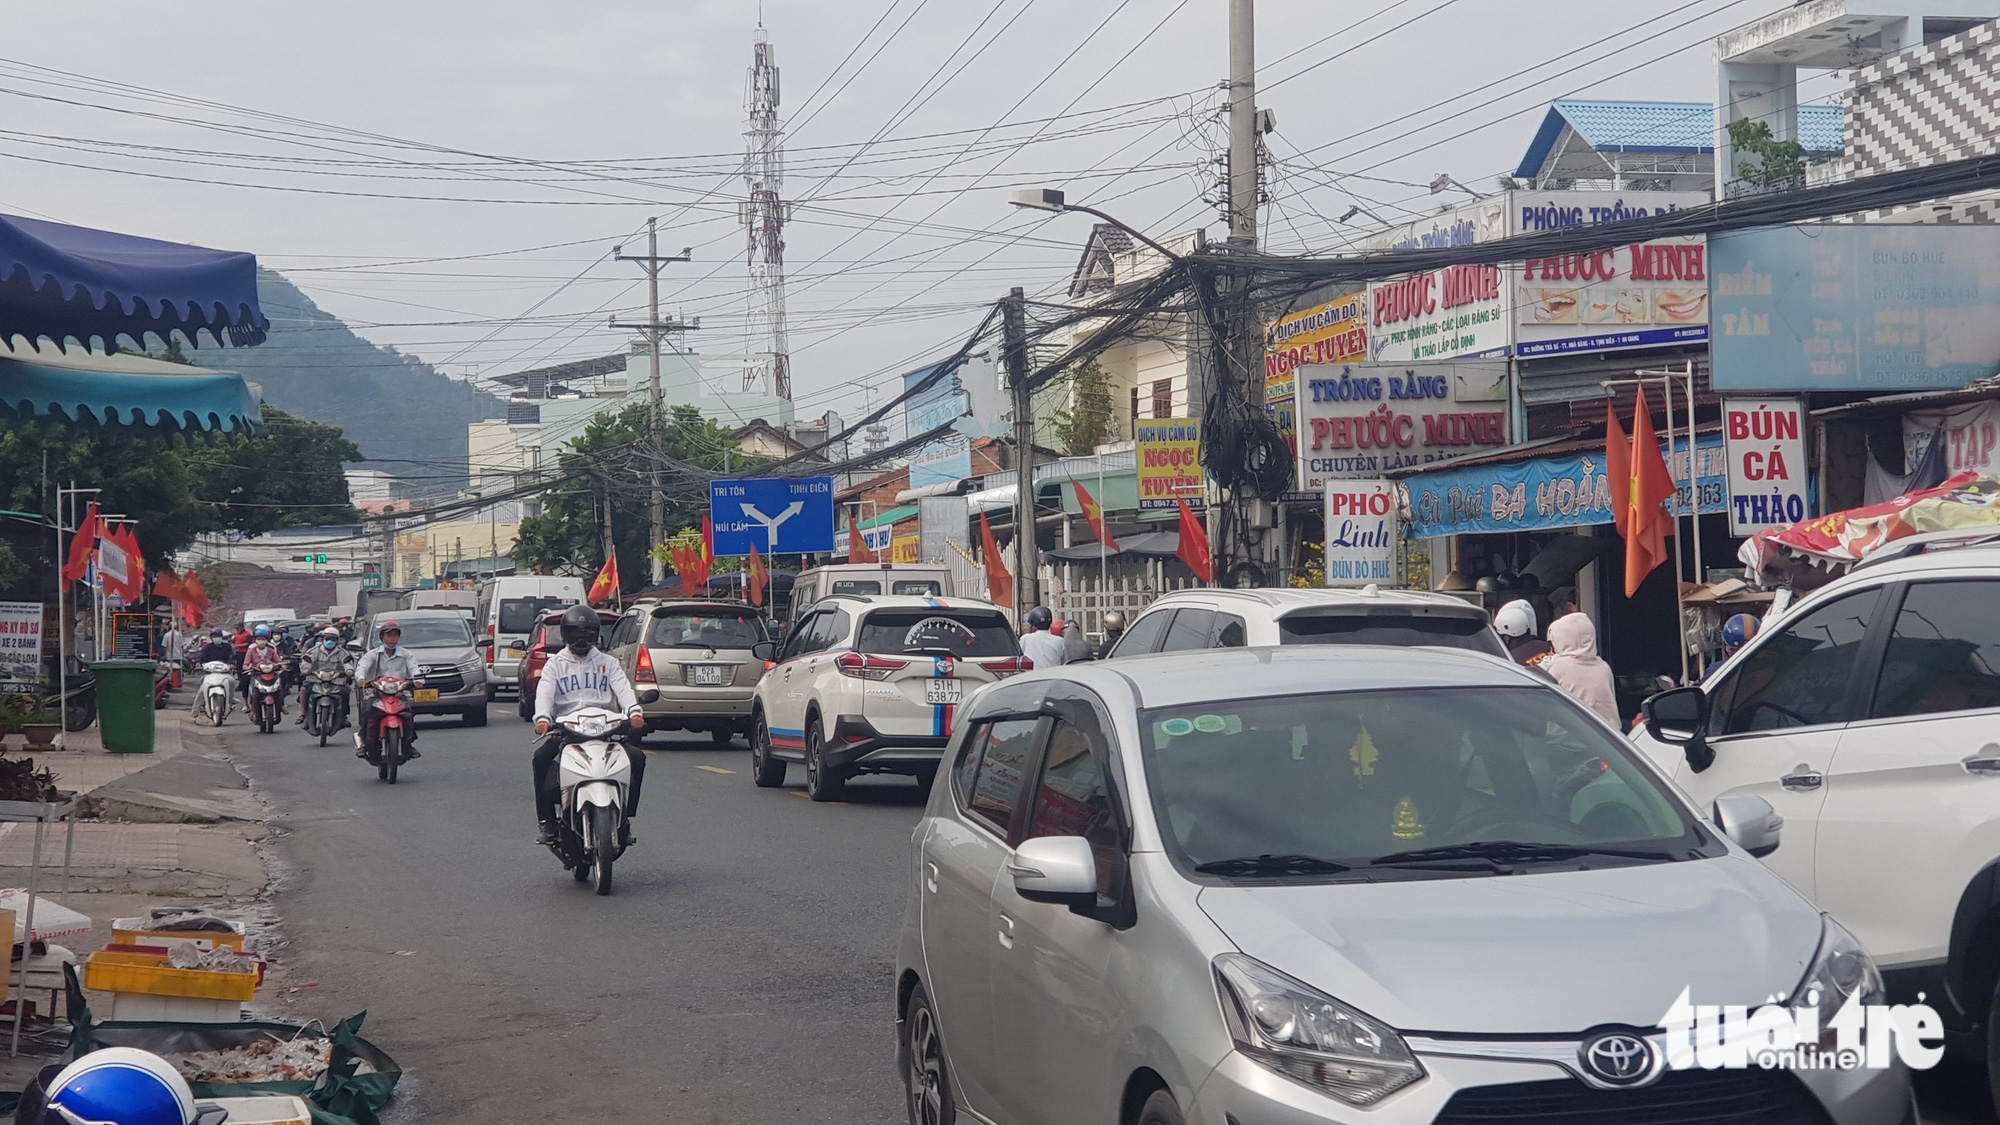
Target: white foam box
x=264 y=1109
x=180 y=1009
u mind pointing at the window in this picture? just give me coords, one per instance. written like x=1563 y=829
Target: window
x=947 y=633
x=623 y=633
x=1003 y=752
x=1163 y=398
x=431 y=632
x=802 y=638
x=706 y=628
x=518 y=615
x=857 y=586
x=1189 y=630
x=1801 y=677
x=1229 y=631
x=1944 y=654
x=1145 y=634
x=1073 y=798
x=913 y=588
x=1399 y=628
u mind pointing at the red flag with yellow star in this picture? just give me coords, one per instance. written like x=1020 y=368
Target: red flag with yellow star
x=1093 y=513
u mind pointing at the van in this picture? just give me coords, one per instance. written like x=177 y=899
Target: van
x=272 y=617
x=464 y=601
x=910 y=580
x=507 y=610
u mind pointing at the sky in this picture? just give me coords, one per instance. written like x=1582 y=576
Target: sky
x=451 y=177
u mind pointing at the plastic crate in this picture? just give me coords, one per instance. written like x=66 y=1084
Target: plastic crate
x=133 y=931
x=264 y=1109
x=112 y=971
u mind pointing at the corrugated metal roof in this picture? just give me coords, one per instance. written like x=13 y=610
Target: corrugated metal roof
x=1668 y=127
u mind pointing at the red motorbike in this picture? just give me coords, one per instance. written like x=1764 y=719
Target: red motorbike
x=267 y=695
x=392 y=720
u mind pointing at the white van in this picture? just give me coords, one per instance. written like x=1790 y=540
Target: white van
x=910 y=580
x=464 y=601
x=272 y=617
x=507 y=610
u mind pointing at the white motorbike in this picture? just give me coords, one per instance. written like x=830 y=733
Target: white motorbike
x=593 y=777
x=218 y=686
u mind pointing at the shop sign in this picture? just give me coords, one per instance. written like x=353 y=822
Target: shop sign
x=412 y=542
x=1546 y=493
x=1438 y=314
x=1335 y=332
x=1861 y=306
x=1364 y=421
x=1970 y=434
x=1766 y=463
x=905 y=548
x=1638 y=296
x=20 y=646
x=1169 y=463
x=1360 y=532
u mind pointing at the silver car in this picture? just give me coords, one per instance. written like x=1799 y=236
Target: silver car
x=1272 y=886
x=451 y=661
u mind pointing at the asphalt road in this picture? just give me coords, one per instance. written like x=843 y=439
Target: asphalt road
x=740 y=971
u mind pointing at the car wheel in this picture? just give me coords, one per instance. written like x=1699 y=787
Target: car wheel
x=767 y=771
x=1161 y=1110
x=526 y=709
x=823 y=783
x=476 y=717
x=926 y=1073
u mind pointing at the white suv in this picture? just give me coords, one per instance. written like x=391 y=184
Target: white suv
x=1227 y=618
x=1869 y=716
x=872 y=684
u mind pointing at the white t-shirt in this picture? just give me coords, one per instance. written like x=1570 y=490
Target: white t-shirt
x=1045 y=648
x=571 y=682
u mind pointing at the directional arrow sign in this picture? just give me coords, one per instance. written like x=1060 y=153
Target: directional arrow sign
x=779 y=516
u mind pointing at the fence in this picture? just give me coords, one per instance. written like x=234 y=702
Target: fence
x=1078 y=592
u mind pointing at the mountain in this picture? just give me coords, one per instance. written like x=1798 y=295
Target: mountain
x=397 y=408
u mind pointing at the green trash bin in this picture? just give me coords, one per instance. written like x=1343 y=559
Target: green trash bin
x=125 y=704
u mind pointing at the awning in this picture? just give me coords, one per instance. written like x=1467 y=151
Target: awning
x=890 y=516
x=64 y=282
x=1146 y=544
x=125 y=390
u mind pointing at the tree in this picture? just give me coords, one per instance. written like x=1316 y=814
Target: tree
x=1084 y=422
x=1777 y=164
x=288 y=476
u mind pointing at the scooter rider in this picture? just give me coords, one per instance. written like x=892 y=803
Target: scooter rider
x=261 y=651
x=581 y=676
x=325 y=656
x=385 y=659
x=217 y=648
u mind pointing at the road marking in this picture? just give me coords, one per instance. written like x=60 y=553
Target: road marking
x=808 y=796
x=714 y=769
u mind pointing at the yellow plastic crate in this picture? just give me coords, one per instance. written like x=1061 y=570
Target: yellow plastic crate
x=202 y=940
x=149 y=973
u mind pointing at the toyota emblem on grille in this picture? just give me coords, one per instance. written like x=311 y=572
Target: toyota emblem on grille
x=1619 y=1058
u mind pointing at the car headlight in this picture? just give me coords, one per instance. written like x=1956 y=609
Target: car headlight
x=1306 y=1035
x=1841 y=969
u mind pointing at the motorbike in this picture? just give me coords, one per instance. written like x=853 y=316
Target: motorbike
x=218 y=686
x=267 y=695
x=592 y=777
x=166 y=677
x=324 y=690
x=392 y=697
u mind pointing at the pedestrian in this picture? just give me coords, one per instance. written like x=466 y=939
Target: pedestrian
x=1577 y=667
x=243 y=638
x=1517 y=625
x=173 y=649
x=1039 y=644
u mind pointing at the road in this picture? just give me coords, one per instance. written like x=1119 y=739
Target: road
x=740 y=971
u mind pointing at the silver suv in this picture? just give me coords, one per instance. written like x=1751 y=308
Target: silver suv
x=703 y=656
x=1227 y=618
x=1341 y=883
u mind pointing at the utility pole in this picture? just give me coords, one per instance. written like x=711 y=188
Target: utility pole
x=1238 y=354
x=654 y=328
x=1014 y=350
x=1243 y=186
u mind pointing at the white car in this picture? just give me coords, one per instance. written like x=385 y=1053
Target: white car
x=872 y=684
x=1226 y=618
x=1869 y=717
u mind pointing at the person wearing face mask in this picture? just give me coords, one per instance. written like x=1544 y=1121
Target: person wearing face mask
x=325 y=654
x=581 y=675
x=386 y=659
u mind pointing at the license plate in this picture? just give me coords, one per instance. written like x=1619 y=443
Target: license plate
x=427 y=695
x=943 y=691
x=709 y=674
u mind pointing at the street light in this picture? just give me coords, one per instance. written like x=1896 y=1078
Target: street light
x=1443 y=180
x=1051 y=200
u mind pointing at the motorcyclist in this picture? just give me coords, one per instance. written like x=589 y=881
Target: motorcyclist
x=325 y=655
x=262 y=650
x=579 y=676
x=1039 y=643
x=386 y=659
x=1114 y=628
x=217 y=647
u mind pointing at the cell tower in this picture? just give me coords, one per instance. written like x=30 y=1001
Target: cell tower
x=764 y=216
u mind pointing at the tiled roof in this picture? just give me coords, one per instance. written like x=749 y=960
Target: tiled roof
x=1663 y=127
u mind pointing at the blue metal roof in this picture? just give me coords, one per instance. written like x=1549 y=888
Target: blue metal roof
x=1661 y=127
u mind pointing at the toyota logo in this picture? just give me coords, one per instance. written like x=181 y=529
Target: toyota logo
x=1619 y=1058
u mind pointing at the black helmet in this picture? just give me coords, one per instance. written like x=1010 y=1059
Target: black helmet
x=1040 y=617
x=580 y=628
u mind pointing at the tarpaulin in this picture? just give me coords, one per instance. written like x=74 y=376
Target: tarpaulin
x=66 y=282
x=1832 y=543
x=125 y=390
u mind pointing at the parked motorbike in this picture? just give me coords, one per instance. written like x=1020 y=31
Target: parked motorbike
x=267 y=695
x=592 y=778
x=392 y=697
x=218 y=686
x=324 y=691
x=166 y=677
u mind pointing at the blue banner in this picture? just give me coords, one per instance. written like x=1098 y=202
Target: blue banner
x=1548 y=492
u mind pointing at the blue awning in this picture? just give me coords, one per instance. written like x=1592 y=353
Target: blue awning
x=125 y=390
x=64 y=282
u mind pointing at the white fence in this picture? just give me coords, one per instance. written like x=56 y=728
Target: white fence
x=1079 y=592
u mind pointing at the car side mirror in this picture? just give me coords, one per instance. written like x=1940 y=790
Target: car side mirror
x=649 y=695
x=483 y=642
x=1680 y=718
x=1058 y=869
x=1751 y=822
x=764 y=650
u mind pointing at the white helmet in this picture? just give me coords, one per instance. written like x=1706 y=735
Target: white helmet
x=1515 y=619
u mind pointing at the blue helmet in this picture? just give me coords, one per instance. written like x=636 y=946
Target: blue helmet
x=1040 y=617
x=120 y=1086
x=1737 y=631
x=263 y=630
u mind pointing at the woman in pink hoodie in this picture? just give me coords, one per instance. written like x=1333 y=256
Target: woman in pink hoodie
x=1577 y=667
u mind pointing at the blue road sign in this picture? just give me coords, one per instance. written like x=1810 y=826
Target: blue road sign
x=780 y=516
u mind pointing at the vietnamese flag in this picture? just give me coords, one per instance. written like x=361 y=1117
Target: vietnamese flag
x=857 y=545
x=78 y=563
x=760 y=579
x=197 y=594
x=135 y=567
x=1194 y=545
x=606 y=585
x=1618 y=462
x=1093 y=513
x=705 y=559
x=1651 y=486
x=999 y=582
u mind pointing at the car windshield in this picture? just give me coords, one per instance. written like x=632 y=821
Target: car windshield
x=433 y=632
x=1397 y=628
x=518 y=615
x=706 y=628
x=1342 y=781
x=957 y=633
